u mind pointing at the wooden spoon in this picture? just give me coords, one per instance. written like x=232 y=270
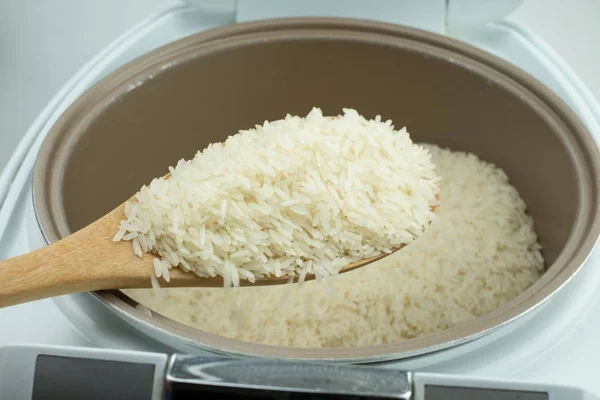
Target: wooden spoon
x=89 y=260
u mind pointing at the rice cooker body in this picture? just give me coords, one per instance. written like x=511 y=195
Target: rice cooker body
x=233 y=77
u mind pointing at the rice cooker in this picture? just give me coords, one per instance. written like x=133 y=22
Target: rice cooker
x=521 y=357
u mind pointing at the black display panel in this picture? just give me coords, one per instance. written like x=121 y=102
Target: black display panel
x=434 y=392
x=69 y=378
x=184 y=391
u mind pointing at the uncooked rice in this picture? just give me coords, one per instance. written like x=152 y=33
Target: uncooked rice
x=291 y=197
x=480 y=252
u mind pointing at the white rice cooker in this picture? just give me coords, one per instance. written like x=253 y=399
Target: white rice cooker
x=549 y=355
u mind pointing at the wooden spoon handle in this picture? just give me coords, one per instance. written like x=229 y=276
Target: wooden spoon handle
x=85 y=261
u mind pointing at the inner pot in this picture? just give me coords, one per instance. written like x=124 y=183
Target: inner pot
x=164 y=106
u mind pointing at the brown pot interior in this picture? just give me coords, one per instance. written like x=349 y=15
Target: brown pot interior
x=205 y=100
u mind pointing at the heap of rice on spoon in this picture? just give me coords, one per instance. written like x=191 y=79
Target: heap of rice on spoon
x=290 y=198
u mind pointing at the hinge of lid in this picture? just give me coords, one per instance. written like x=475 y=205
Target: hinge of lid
x=422 y=14
x=431 y=15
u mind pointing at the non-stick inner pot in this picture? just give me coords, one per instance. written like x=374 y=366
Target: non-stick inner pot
x=130 y=128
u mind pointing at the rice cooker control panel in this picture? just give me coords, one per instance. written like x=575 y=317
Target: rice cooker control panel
x=54 y=372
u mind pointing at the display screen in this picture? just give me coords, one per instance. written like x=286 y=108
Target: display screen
x=183 y=391
x=69 y=378
x=434 y=392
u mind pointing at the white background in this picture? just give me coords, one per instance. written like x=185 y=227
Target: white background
x=44 y=42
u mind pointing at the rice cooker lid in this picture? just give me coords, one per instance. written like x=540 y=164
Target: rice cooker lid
x=431 y=15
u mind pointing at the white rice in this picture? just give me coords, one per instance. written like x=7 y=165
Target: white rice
x=292 y=197
x=479 y=253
